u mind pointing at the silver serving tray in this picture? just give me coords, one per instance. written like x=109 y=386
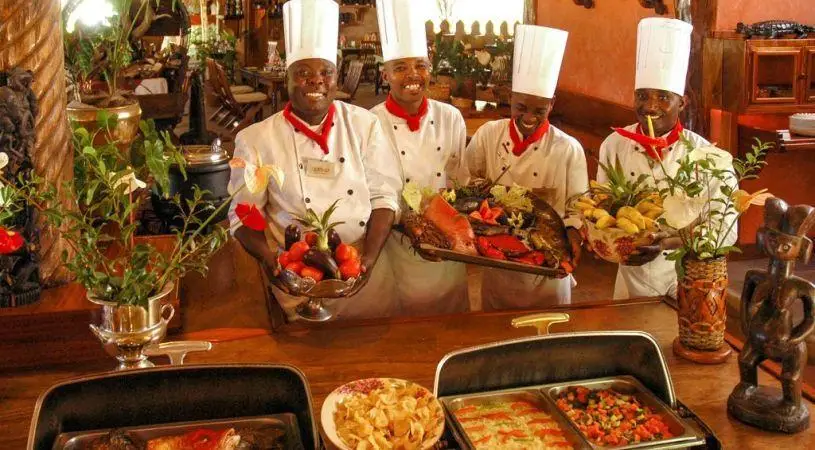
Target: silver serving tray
x=684 y=435
x=286 y=422
x=452 y=404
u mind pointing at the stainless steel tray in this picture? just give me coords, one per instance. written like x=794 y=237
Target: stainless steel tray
x=286 y=422
x=685 y=436
x=454 y=403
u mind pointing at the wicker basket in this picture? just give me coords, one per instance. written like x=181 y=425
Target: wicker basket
x=702 y=296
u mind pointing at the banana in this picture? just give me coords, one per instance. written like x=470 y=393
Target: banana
x=650 y=224
x=599 y=213
x=606 y=222
x=626 y=211
x=654 y=213
x=585 y=199
x=644 y=206
x=583 y=206
x=627 y=226
x=595 y=185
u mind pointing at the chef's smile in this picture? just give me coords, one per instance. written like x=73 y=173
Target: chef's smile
x=408 y=78
x=530 y=111
x=312 y=86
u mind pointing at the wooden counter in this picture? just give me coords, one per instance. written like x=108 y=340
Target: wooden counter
x=332 y=354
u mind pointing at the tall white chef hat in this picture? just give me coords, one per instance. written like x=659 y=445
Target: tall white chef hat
x=401 y=29
x=663 y=50
x=537 y=59
x=312 y=30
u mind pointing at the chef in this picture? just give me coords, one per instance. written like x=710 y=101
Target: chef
x=534 y=154
x=663 y=49
x=328 y=150
x=429 y=138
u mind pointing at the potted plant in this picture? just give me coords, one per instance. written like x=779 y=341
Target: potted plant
x=702 y=203
x=101 y=52
x=127 y=276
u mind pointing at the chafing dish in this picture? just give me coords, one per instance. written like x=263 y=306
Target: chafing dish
x=285 y=423
x=168 y=395
x=549 y=361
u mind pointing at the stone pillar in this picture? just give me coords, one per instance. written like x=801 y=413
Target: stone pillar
x=31 y=38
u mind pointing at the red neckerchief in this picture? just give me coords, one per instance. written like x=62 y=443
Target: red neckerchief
x=413 y=120
x=322 y=138
x=519 y=146
x=653 y=146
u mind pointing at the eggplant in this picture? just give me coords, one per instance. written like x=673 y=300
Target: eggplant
x=292 y=235
x=323 y=261
x=334 y=239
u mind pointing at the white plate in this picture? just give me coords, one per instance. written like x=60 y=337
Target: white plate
x=339 y=394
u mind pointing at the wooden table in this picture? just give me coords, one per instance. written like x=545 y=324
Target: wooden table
x=273 y=84
x=332 y=354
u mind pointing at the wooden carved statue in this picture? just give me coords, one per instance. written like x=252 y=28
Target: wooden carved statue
x=767 y=303
x=19 y=269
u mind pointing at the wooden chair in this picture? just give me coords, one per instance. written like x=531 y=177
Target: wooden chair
x=348 y=91
x=237 y=111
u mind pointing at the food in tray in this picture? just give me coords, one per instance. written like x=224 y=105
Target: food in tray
x=510 y=425
x=263 y=438
x=609 y=418
x=493 y=221
x=319 y=253
x=388 y=414
x=619 y=215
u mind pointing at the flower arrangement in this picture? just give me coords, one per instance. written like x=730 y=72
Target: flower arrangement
x=702 y=201
x=96 y=216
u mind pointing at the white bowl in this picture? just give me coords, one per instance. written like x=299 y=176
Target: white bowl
x=803 y=124
x=339 y=394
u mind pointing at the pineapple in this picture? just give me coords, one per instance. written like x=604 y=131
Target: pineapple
x=326 y=234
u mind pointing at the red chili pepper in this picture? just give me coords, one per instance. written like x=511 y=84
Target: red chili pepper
x=513 y=433
x=493 y=416
x=540 y=421
x=465 y=410
x=548 y=432
x=521 y=405
x=482 y=440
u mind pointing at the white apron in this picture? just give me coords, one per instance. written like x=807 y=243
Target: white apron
x=556 y=165
x=367 y=178
x=659 y=276
x=430 y=156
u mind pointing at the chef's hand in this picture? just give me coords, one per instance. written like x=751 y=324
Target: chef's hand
x=575 y=244
x=647 y=253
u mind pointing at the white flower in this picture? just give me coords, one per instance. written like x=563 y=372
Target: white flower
x=256 y=176
x=483 y=57
x=721 y=159
x=681 y=210
x=130 y=181
x=3 y=159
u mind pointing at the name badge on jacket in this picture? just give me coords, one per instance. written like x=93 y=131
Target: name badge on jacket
x=320 y=169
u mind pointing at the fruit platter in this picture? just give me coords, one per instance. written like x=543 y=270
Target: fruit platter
x=315 y=262
x=619 y=215
x=506 y=227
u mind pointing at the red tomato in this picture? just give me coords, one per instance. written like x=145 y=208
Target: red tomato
x=350 y=269
x=295 y=266
x=310 y=238
x=283 y=259
x=345 y=252
x=297 y=250
x=312 y=272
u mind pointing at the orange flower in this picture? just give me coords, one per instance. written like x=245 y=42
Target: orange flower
x=743 y=199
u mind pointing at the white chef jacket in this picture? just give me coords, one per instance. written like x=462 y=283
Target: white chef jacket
x=659 y=276
x=367 y=178
x=432 y=156
x=555 y=164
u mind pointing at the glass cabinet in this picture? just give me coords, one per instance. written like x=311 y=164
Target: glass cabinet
x=775 y=75
x=809 y=73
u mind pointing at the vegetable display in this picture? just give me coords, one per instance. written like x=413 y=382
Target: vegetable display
x=609 y=418
x=319 y=253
